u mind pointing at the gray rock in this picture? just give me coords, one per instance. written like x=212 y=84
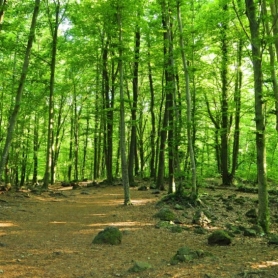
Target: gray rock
x=200 y=218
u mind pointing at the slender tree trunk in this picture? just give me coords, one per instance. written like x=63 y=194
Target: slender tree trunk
x=226 y=179
x=256 y=41
x=59 y=134
x=97 y=147
x=124 y=165
x=135 y=90
x=167 y=123
x=36 y=146
x=237 y=102
x=71 y=146
x=170 y=92
x=217 y=145
x=76 y=142
x=49 y=159
x=108 y=97
x=188 y=104
x=13 y=118
x=271 y=50
x=153 y=131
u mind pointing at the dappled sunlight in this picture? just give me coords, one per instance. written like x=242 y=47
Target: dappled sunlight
x=265 y=264
x=122 y=224
x=7 y=224
x=141 y=202
x=113 y=194
x=57 y=222
x=98 y=229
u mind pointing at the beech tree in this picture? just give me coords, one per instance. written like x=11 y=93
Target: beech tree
x=19 y=93
x=256 y=43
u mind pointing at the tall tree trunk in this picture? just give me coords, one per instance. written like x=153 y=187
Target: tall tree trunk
x=124 y=165
x=108 y=97
x=256 y=41
x=85 y=147
x=135 y=91
x=237 y=102
x=54 y=33
x=36 y=146
x=226 y=178
x=13 y=118
x=188 y=104
x=153 y=131
x=57 y=139
x=167 y=123
x=271 y=51
x=71 y=145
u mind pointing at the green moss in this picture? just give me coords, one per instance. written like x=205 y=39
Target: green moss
x=110 y=235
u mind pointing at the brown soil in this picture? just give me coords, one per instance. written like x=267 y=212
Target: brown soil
x=50 y=235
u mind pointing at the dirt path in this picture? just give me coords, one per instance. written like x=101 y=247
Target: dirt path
x=50 y=235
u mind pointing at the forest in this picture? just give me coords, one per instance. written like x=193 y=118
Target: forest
x=171 y=90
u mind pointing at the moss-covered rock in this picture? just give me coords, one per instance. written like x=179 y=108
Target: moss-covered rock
x=140 y=266
x=249 y=232
x=176 y=229
x=165 y=214
x=110 y=235
x=252 y=213
x=273 y=239
x=219 y=237
x=164 y=224
x=185 y=254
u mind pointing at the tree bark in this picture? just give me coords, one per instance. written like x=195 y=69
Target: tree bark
x=49 y=152
x=256 y=41
x=153 y=131
x=188 y=104
x=124 y=165
x=226 y=178
x=135 y=90
x=237 y=101
x=13 y=118
x=274 y=27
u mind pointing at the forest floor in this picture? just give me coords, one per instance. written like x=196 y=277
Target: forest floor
x=50 y=235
